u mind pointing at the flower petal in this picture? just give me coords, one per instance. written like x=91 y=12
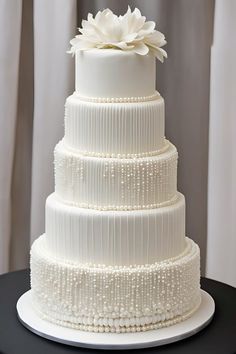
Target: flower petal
x=159 y=53
x=141 y=48
x=157 y=38
x=127 y=32
x=130 y=37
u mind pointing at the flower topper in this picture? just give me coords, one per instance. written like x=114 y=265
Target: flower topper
x=129 y=32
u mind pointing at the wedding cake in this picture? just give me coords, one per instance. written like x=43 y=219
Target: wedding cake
x=114 y=256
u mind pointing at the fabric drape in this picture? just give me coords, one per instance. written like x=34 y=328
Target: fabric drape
x=9 y=74
x=54 y=26
x=221 y=242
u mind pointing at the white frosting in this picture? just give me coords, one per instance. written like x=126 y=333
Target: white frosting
x=115 y=184
x=114 y=73
x=114 y=257
x=115 y=238
x=115 y=299
x=122 y=128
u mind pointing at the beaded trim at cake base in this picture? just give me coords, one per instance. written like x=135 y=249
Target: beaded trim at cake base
x=113 y=328
x=115 y=298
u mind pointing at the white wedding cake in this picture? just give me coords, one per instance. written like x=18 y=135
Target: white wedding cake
x=114 y=256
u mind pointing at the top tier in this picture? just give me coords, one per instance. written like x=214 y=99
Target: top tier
x=113 y=73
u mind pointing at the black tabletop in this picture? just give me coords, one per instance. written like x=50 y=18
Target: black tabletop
x=218 y=338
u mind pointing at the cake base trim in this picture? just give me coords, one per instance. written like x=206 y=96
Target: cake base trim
x=128 y=328
x=115 y=297
x=46 y=329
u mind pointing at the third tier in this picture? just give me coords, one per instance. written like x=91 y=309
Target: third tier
x=115 y=183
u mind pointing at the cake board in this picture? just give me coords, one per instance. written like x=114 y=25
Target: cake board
x=152 y=338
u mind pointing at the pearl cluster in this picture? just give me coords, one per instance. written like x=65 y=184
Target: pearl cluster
x=115 y=298
x=115 y=184
x=118 y=99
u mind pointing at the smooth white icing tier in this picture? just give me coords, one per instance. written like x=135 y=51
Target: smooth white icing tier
x=115 y=299
x=115 y=238
x=114 y=73
x=111 y=129
x=113 y=183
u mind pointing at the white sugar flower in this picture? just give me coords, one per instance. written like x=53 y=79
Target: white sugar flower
x=128 y=32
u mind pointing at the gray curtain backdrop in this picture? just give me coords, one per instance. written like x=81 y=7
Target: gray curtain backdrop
x=45 y=78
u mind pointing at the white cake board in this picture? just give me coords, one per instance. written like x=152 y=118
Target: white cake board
x=200 y=319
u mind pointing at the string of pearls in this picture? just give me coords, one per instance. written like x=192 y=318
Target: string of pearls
x=121 y=326
x=153 y=97
x=120 y=207
x=165 y=147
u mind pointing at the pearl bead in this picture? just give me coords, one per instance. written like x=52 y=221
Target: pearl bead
x=118 y=99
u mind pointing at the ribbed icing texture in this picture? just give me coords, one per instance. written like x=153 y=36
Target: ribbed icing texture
x=113 y=299
x=115 y=238
x=121 y=128
x=115 y=184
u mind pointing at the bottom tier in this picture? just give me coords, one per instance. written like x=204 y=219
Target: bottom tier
x=115 y=298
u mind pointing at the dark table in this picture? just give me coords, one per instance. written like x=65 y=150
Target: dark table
x=218 y=338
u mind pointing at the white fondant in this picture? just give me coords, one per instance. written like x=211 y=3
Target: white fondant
x=115 y=238
x=123 y=128
x=114 y=73
x=115 y=184
x=114 y=298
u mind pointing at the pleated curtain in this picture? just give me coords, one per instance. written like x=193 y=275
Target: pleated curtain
x=221 y=236
x=36 y=76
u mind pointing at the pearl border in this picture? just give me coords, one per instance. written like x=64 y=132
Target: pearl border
x=165 y=147
x=121 y=329
x=153 y=97
x=119 y=208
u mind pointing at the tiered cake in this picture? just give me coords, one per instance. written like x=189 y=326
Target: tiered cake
x=114 y=256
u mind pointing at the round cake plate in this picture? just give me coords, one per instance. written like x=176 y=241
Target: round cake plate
x=117 y=341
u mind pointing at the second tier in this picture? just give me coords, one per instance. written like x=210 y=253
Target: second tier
x=113 y=183
x=115 y=129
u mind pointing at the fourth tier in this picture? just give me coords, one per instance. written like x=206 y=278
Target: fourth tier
x=112 y=238
x=115 y=183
